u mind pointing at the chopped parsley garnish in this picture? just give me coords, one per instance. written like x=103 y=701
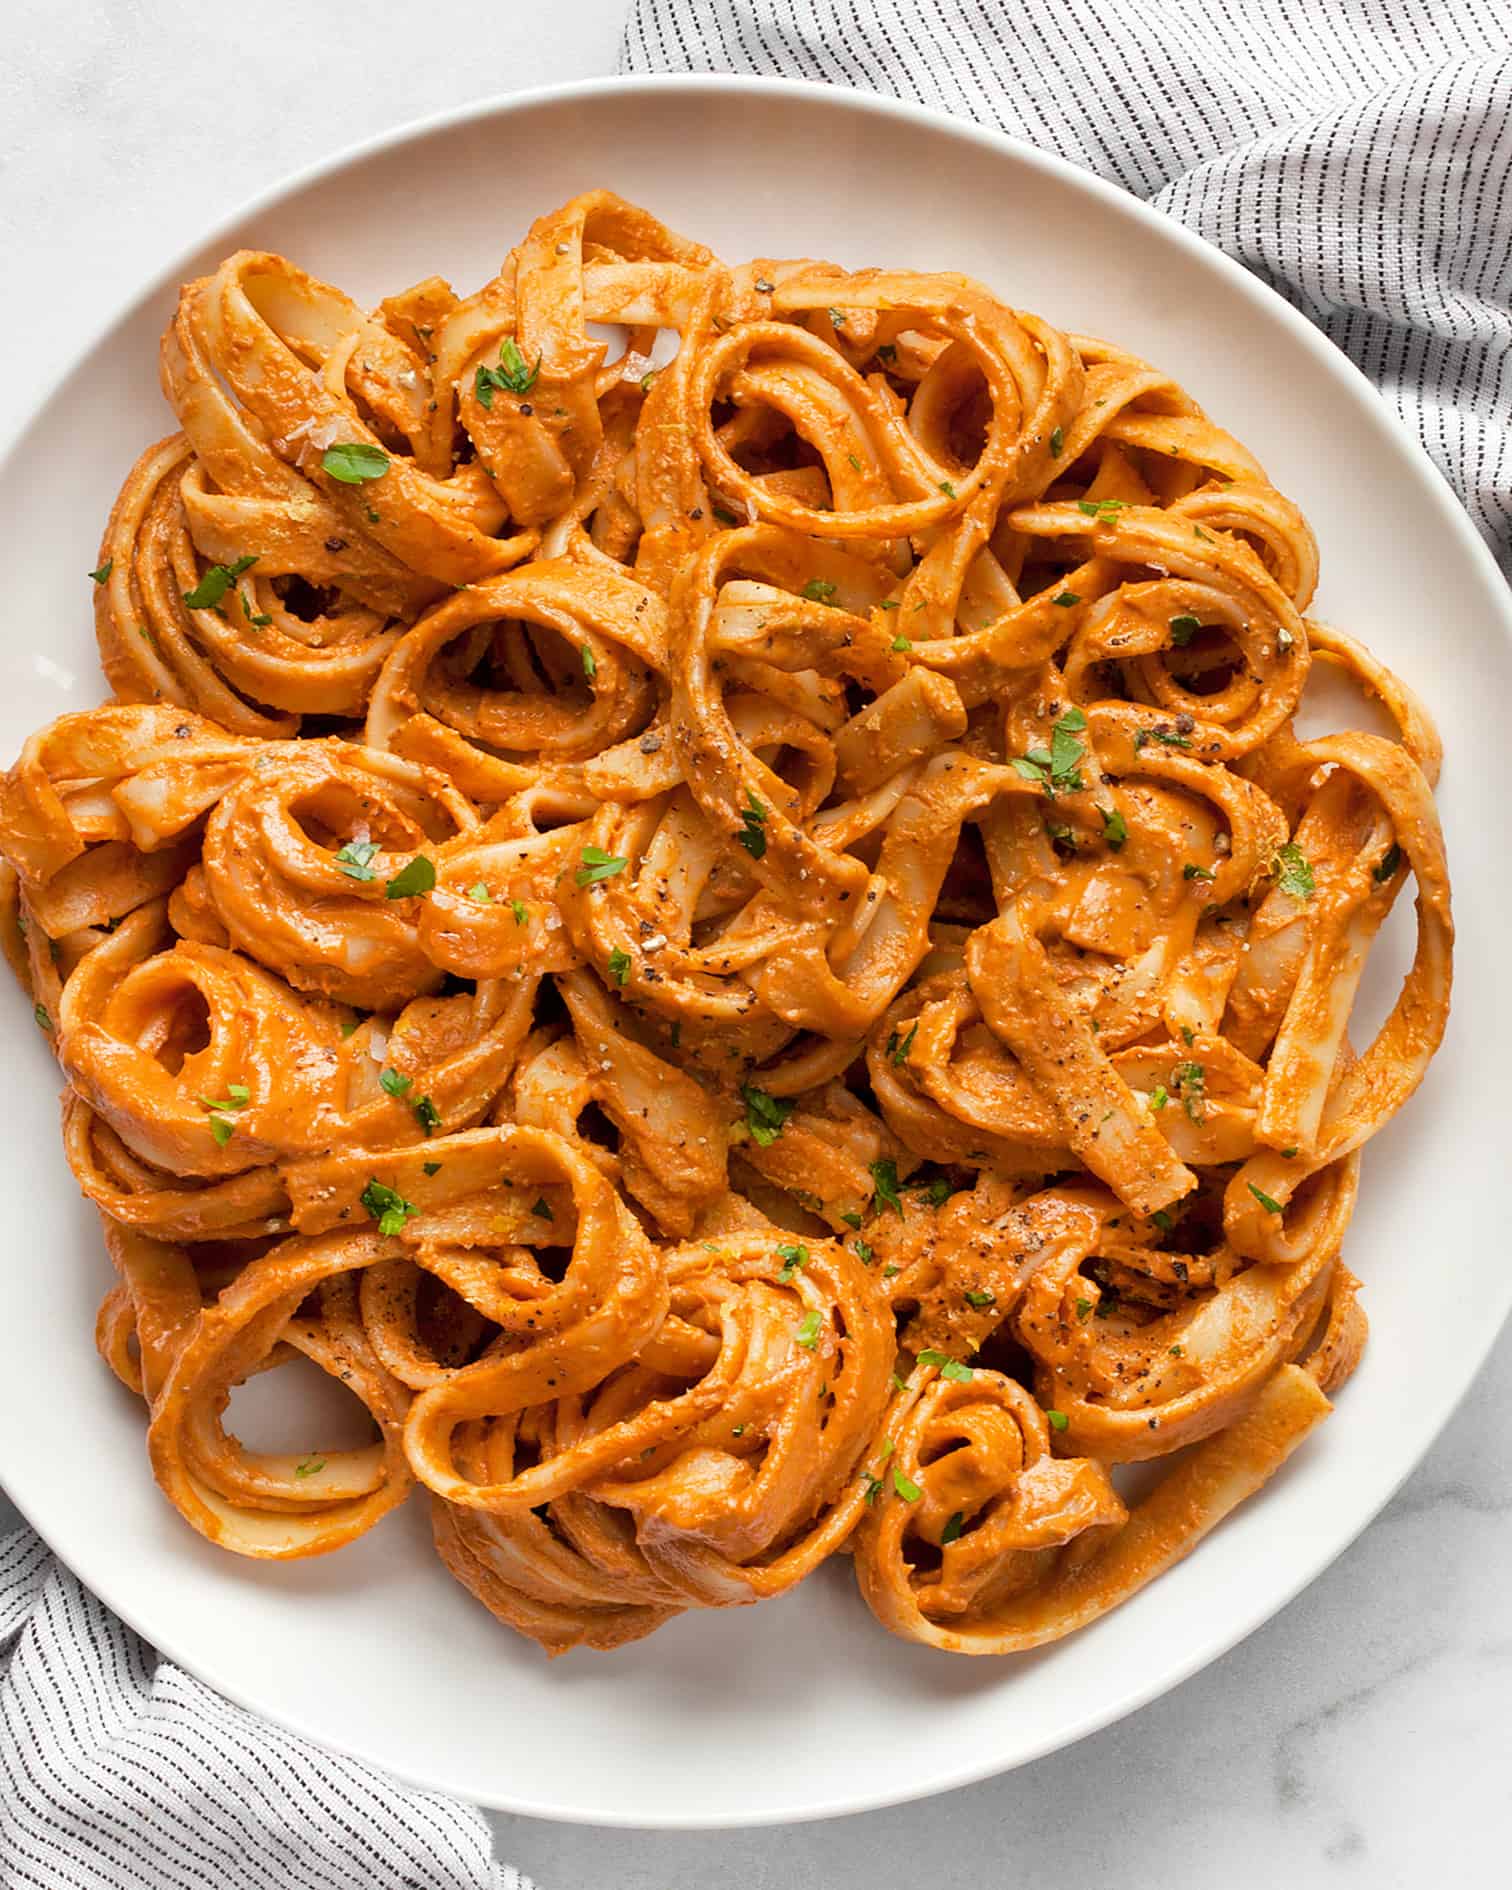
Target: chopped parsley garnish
x=1388 y=866
x=947 y=488
x=517 y=907
x=1101 y=508
x=1066 y=599
x=590 y=662
x=1168 y=736
x=948 y=1367
x=792 y=1254
x=309 y=1466
x=837 y=317
x=1189 y=1080
x=900 y=644
x=752 y=835
x=394 y=1083
x=511 y=374
x=1115 y=828
x=597 y=865
x=479 y=894
x=1057 y=441
x=619 y=967
x=865 y=1252
x=936 y=1192
x=1057 y=768
x=897 y=1052
x=1293 y=872
x=953 y=1527
x=541 y=1209
x=426 y=1113
x=413 y=880
x=42 y=1017
x=387 y=1206
x=1270 y=1206
x=884 y=1176
x=1163 y=1219
x=104 y=571
x=431 y=1168
x=1189 y=871
x=355 y=859
x=766 y=1116
x=354 y=461
x=221 y=1126
x=1159 y=1096
x=213 y=586
x=976 y=1297
x=1183 y=629
x=259 y=619
x=905 y=1486
x=819 y=591
x=1083 y=1307
x=1058 y=1420
x=807 y=1334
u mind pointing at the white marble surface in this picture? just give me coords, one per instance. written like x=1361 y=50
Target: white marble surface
x=1365 y=1736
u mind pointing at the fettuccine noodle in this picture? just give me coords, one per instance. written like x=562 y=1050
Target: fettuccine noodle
x=734 y=935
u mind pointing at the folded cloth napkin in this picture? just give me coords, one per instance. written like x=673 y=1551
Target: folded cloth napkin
x=1356 y=154
x=120 y=1772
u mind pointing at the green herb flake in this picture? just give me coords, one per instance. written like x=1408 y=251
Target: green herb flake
x=42 y=1017
x=104 y=571
x=948 y=1367
x=1389 y=865
x=1271 y=1206
x=394 y=1083
x=766 y=1116
x=1057 y=441
x=976 y=1297
x=517 y=907
x=431 y=1168
x=355 y=859
x=1058 y=1420
x=752 y=835
x=387 y=1206
x=479 y=894
x=619 y=967
x=412 y=881
x=793 y=1255
x=900 y=645
x=1293 y=872
x=807 y=1334
x=309 y=1466
x=1159 y=1096
x=1190 y=871
x=590 y=662
x=947 y=488
x=905 y=1486
x=541 y=1209
x=819 y=591
x=884 y=1176
x=426 y=1114
x=1183 y=629
x=598 y=865
x=952 y=1530
x=354 y=462
x=1115 y=828
x=1189 y=1080
x=1065 y=599
x=213 y=586
x=897 y=1052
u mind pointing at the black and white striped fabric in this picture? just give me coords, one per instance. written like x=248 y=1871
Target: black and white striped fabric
x=1356 y=154
x=120 y=1772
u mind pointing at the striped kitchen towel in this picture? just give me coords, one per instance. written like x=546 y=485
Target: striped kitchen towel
x=119 y=1772
x=1356 y=154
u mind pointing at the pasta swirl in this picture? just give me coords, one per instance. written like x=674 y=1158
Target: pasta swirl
x=706 y=885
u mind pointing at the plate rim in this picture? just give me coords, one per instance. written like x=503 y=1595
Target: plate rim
x=164 y=276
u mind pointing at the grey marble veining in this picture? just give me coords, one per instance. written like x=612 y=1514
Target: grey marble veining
x=1362 y=1738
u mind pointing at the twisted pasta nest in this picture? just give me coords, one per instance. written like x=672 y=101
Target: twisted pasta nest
x=735 y=937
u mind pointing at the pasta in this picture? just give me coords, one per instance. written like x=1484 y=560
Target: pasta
x=735 y=935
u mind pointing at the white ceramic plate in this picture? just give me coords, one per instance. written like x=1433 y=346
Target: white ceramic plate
x=803 y=1707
